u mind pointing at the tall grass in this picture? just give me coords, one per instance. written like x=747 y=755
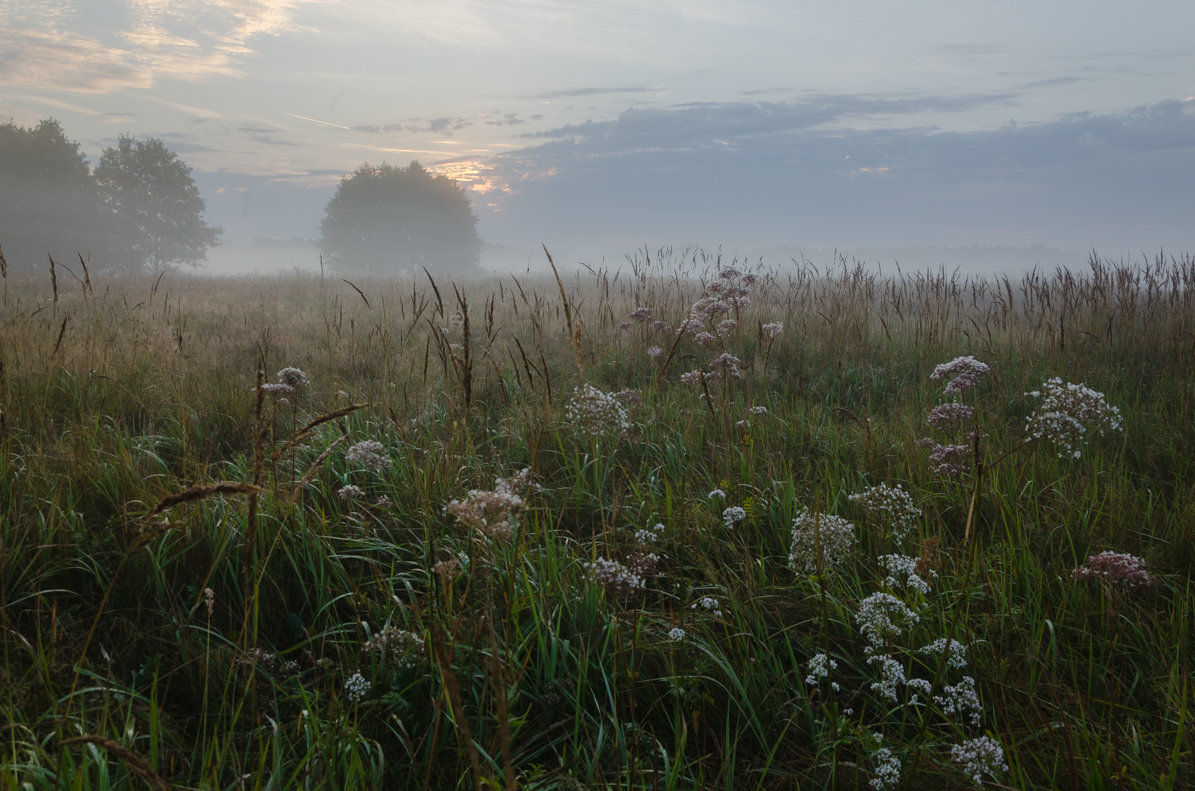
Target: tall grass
x=210 y=582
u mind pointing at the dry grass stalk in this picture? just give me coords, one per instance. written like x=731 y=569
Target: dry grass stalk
x=200 y=492
x=305 y=432
x=574 y=331
x=317 y=465
x=452 y=685
x=136 y=762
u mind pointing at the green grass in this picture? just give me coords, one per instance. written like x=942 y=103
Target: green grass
x=124 y=406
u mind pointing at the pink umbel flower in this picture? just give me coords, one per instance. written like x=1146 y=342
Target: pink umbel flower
x=1115 y=568
x=963 y=373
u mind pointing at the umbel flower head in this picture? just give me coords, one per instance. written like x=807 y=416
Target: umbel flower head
x=962 y=373
x=1115 y=568
x=369 y=452
x=596 y=412
x=819 y=541
x=1068 y=413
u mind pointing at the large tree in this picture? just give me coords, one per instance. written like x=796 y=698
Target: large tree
x=49 y=205
x=155 y=206
x=387 y=220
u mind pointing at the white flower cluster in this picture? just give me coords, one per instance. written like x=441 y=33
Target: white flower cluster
x=733 y=515
x=676 y=634
x=820 y=666
x=400 y=645
x=1068 y=413
x=709 y=604
x=961 y=700
x=891 y=675
x=356 y=688
x=596 y=412
x=956 y=652
x=494 y=514
x=891 y=504
x=902 y=573
x=978 y=757
x=615 y=577
x=885 y=766
x=350 y=492
x=369 y=452
x=649 y=535
x=882 y=617
x=819 y=541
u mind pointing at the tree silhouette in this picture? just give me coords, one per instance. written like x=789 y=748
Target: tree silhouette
x=155 y=206
x=388 y=220
x=48 y=202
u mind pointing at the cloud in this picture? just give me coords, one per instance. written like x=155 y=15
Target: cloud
x=839 y=168
x=77 y=46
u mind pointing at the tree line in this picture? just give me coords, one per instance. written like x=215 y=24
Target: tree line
x=140 y=210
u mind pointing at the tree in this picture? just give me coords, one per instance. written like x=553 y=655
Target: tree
x=155 y=206
x=49 y=204
x=388 y=220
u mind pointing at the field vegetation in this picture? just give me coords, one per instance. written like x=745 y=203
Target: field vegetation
x=695 y=524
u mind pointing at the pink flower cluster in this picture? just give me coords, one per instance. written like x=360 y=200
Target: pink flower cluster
x=1115 y=568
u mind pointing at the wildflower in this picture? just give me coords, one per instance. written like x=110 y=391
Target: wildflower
x=209 y=600
x=369 y=452
x=659 y=326
x=382 y=501
x=624 y=326
x=727 y=362
x=979 y=757
x=400 y=645
x=882 y=617
x=757 y=410
x=691 y=377
x=716 y=493
x=960 y=700
x=1067 y=413
x=494 y=514
x=596 y=412
x=448 y=569
x=820 y=666
x=277 y=390
x=902 y=572
x=918 y=688
x=649 y=535
x=729 y=273
x=654 y=351
x=350 y=492
x=516 y=484
x=1115 y=568
x=948 y=414
x=819 y=541
x=709 y=604
x=963 y=372
x=676 y=633
x=892 y=674
x=956 y=652
x=293 y=378
x=629 y=398
x=356 y=688
x=891 y=504
x=641 y=315
x=727 y=326
x=615 y=577
x=773 y=329
x=706 y=339
x=951 y=461
x=885 y=766
x=733 y=515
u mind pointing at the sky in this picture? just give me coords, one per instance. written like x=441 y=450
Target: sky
x=600 y=127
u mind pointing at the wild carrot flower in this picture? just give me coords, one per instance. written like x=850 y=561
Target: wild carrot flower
x=956 y=652
x=1068 y=413
x=596 y=412
x=1115 y=568
x=676 y=634
x=902 y=572
x=885 y=765
x=891 y=675
x=963 y=374
x=399 y=645
x=979 y=757
x=369 y=452
x=819 y=541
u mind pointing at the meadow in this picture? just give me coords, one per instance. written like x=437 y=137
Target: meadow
x=694 y=524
